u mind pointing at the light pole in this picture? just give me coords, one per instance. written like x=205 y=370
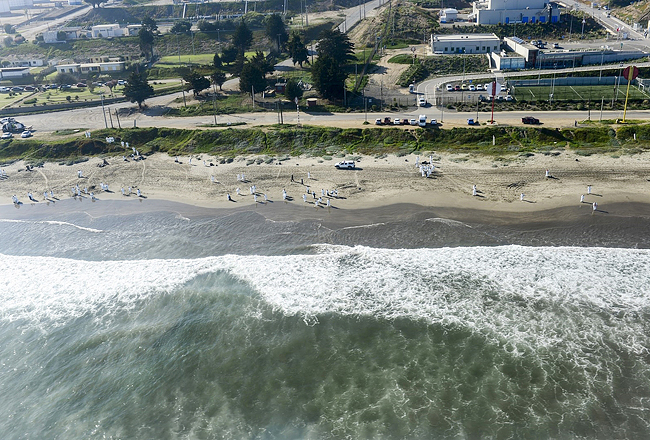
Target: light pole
x=103 y=112
x=583 y=28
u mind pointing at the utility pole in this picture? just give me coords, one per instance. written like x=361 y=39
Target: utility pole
x=214 y=103
x=118 y=120
x=103 y=112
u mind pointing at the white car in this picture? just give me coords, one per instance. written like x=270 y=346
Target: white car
x=422 y=102
x=397 y=121
x=450 y=88
x=345 y=165
x=412 y=121
x=479 y=86
x=434 y=122
x=26 y=134
x=509 y=98
x=6 y=135
x=378 y=121
x=472 y=88
x=503 y=88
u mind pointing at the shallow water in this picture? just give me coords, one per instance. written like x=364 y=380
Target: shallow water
x=161 y=325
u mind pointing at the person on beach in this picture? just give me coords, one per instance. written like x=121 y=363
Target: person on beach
x=92 y=196
x=237 y=191
x=292 y=177
x=255 y=198
x=265 y=198
x=548 y=173
x=417 y=161
x=45 y=194
x=51 y=194
x=304 y=198
x=474 y=193
x=594 y=206
x=79 y=174
x=589 y=189
x=521 y=197
x=139 y=192
x=328 y=203
x=228 y=197
x=308 y=175
x=30 y=197
x=123 y=192
x=582 y=198
x=129 y=190
x=284 y=194
x=212 y=179
x=14 y=199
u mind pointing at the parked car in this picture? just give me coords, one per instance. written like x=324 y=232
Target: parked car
x=5 y=89
x=17 y=89
x=471 y=121
x=6 y=135
x=509 y=98
x=479 y=86
x=422 y=102
x=450 y=88
x=457 y=88
x=345 y=165
x=464 y=86
x=434 y=122
x=29 y=88
x=413 y=121
x=530 y=120
x=472 y=88
x=121 y=82
x=378 y=121
x=387 y=120
x=26 y=134
x=65 y=87
x=81 y=85
x=397 y=121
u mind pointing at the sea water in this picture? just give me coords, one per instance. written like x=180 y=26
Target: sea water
x=159 y=325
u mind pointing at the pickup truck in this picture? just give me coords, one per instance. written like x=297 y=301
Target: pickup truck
x=530 y=120
x=345 y=165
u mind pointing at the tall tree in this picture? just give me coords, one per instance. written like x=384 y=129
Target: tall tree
x=262 y=62
x=146 y=40
x=251 y=76
x=276 y=30
x=137 y=89
x=292 y=90
x=150 y=24
x=242 y=38
x=216 y=61
x=297 y=49
x=217 y=78
x=328 y=77
x=337 y=45
x=195 y=82
x=229 y=54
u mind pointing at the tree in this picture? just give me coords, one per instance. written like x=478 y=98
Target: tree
x=297 y=49
x=146 y=39
x=251 y=76
x=292 y=90
x=337 y=45
x=95 y=3
x=195 y=82
x=9 y=28
x=181 y=27
x=217 y=78
x=328 y=77
x=276 y=30
x=65 y=78
x=216 y=61
x=111 y=84
x=8 y=41
x=150 y=24
x=229 y=54
x=262 y=62
x=242 y=38
x=137 y=89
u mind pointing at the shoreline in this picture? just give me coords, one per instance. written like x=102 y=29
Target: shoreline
x=382 y=187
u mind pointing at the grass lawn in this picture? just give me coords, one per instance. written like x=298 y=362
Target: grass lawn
x=170 y=61
x=577 y=93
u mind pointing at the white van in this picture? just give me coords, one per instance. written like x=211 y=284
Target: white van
x=345 y=165
x=422 y=121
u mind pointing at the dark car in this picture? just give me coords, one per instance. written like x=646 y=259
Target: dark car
x=17 y=89
x=387 y=120
x=29 y=88
x=81 y=85
x=530 y=120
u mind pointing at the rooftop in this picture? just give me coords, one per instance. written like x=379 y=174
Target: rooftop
x=468 y=37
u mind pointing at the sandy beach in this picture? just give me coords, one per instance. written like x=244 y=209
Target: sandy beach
x=377 y=181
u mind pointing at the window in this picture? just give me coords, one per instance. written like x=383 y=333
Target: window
x=445 y=49
x=477 y=48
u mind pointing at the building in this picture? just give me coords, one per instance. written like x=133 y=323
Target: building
x=86 y=68
x=133 y=29
x=107 y=31
x=448 y=15
x=13 y=72
x=515 y=11
x=71 y=33
x=526 y=50
x=19 y=4
x=4 y=8
x=465 y=43
x=26 y=63
x=506 y=61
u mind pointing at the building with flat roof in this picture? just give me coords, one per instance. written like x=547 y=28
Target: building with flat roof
x=515 y=11
x=465 y=43
x=448 y=15
x=13 y=72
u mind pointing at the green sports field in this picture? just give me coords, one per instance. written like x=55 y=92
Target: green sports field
x=578 y=93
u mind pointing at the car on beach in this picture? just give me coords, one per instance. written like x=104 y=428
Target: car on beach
x=26 y=134
x=345 y=165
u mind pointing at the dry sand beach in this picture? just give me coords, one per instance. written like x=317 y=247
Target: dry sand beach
x=376 y=182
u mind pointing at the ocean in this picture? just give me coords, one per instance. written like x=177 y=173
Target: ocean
x=171 y=322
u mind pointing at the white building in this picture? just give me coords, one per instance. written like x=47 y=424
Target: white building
x=85 y=68
x=14 y=72
x=465 y=43
x=18 y=4
x=71 y=33
x=74 y=2
x=26 y=63
x=515 y=11
x=4 y=8
x=448 y=15
x=107 y=31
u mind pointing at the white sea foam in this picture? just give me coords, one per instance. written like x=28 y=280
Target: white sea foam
x=371 y=225
x=535 y=295
x=52 y=222
x=447 y=221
